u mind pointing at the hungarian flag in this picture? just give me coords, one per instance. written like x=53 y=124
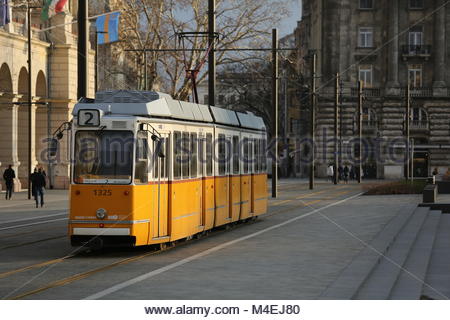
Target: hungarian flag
x=51 y=8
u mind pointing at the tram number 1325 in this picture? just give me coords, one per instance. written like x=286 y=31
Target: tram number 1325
x=102 y=193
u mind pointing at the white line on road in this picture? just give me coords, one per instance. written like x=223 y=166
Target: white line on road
x=171 y=266
x=35 y=218
x=32 y=224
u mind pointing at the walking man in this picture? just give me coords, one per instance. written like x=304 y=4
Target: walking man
x=38 y=187
x=9 y=175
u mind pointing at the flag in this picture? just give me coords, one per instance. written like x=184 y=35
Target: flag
x=4 y=13
x=110 y=25
x=51 y=8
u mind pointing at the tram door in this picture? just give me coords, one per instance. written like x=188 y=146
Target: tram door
x=161 y=187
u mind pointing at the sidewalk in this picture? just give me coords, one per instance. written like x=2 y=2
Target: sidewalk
x=20 y=199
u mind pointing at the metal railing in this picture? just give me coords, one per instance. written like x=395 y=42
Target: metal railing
x=419 y=124
x=418 y=92
x=416 y=50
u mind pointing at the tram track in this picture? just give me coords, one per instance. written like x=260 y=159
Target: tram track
x=86 y=274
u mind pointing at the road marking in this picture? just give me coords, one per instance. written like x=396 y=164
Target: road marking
x=32 y=224
x=34 y=218
x=42 y=264
x=174 y=265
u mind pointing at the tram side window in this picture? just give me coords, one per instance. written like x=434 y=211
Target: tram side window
x=159 y=161
x=264 y=154
x=256 y=155
x=236 y=155
x=186 y=152
x=194 y=155
x=166 y=157
x=141 y=170
x=245 y=155
x=209 y=154
x=250 y=155
x=177 y=151
x=221 y=155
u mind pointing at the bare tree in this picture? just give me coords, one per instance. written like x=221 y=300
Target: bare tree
x=153 y=24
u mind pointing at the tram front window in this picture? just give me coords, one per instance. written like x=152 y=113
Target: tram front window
x=104 y=157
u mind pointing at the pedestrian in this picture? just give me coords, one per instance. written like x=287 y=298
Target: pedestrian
x=341 y=173
x=352 y=173
x=9 y=175
x=435 y=172
x=330 y=172
x=346 y=173
x=38 y=187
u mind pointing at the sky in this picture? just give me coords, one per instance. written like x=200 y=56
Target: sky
x=289 y=24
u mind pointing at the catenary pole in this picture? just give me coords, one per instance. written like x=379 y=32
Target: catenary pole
x=30 y=101
x=212 y=53
x=83 y=48
x=336 y=129
x=275 y=112
x=312 y=120
x=360 y=125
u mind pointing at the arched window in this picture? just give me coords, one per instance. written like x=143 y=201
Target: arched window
x=5 y=79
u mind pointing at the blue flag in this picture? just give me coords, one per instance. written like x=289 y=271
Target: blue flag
x=4 y=13
x=107 y=28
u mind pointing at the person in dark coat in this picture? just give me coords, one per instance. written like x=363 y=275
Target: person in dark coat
x=9 y=175
x=38 y=187
x=346 y=173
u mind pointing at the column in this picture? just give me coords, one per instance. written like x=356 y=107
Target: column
x=439 y=45
x=393 y=45
x=9 y=138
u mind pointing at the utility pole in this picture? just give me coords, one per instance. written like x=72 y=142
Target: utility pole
x=336 y=129
x=212 y=53
x=30 y=99
x=407 y=129
x=83 y=48
x=312 y=119
x=360 y=123
x=145 y=72
x=275 y=111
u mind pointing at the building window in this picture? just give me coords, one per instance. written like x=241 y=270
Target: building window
x=366 y=4
x=415 y=76
x=416 y=4
x=366 y=76
x=416 y=35
x=365 y=37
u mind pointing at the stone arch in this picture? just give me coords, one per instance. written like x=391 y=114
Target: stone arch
x=22 y=87
x=41 y=85
x=5 y=79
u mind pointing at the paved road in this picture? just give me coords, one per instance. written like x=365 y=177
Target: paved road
x=293 y=252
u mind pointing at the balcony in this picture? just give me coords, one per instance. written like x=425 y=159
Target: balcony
x=418 y=92
x=416 y=51
x=367 y=92
x=369 y=126
x=419 y=126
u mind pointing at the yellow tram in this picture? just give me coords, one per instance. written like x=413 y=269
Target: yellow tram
x=148 y=169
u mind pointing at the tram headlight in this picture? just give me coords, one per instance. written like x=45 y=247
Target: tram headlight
x=101 y=213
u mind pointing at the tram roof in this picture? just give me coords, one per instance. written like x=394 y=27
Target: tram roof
x=161 y=105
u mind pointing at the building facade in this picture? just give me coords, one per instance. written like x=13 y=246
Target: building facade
x=386 y=44
x=54 y=81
